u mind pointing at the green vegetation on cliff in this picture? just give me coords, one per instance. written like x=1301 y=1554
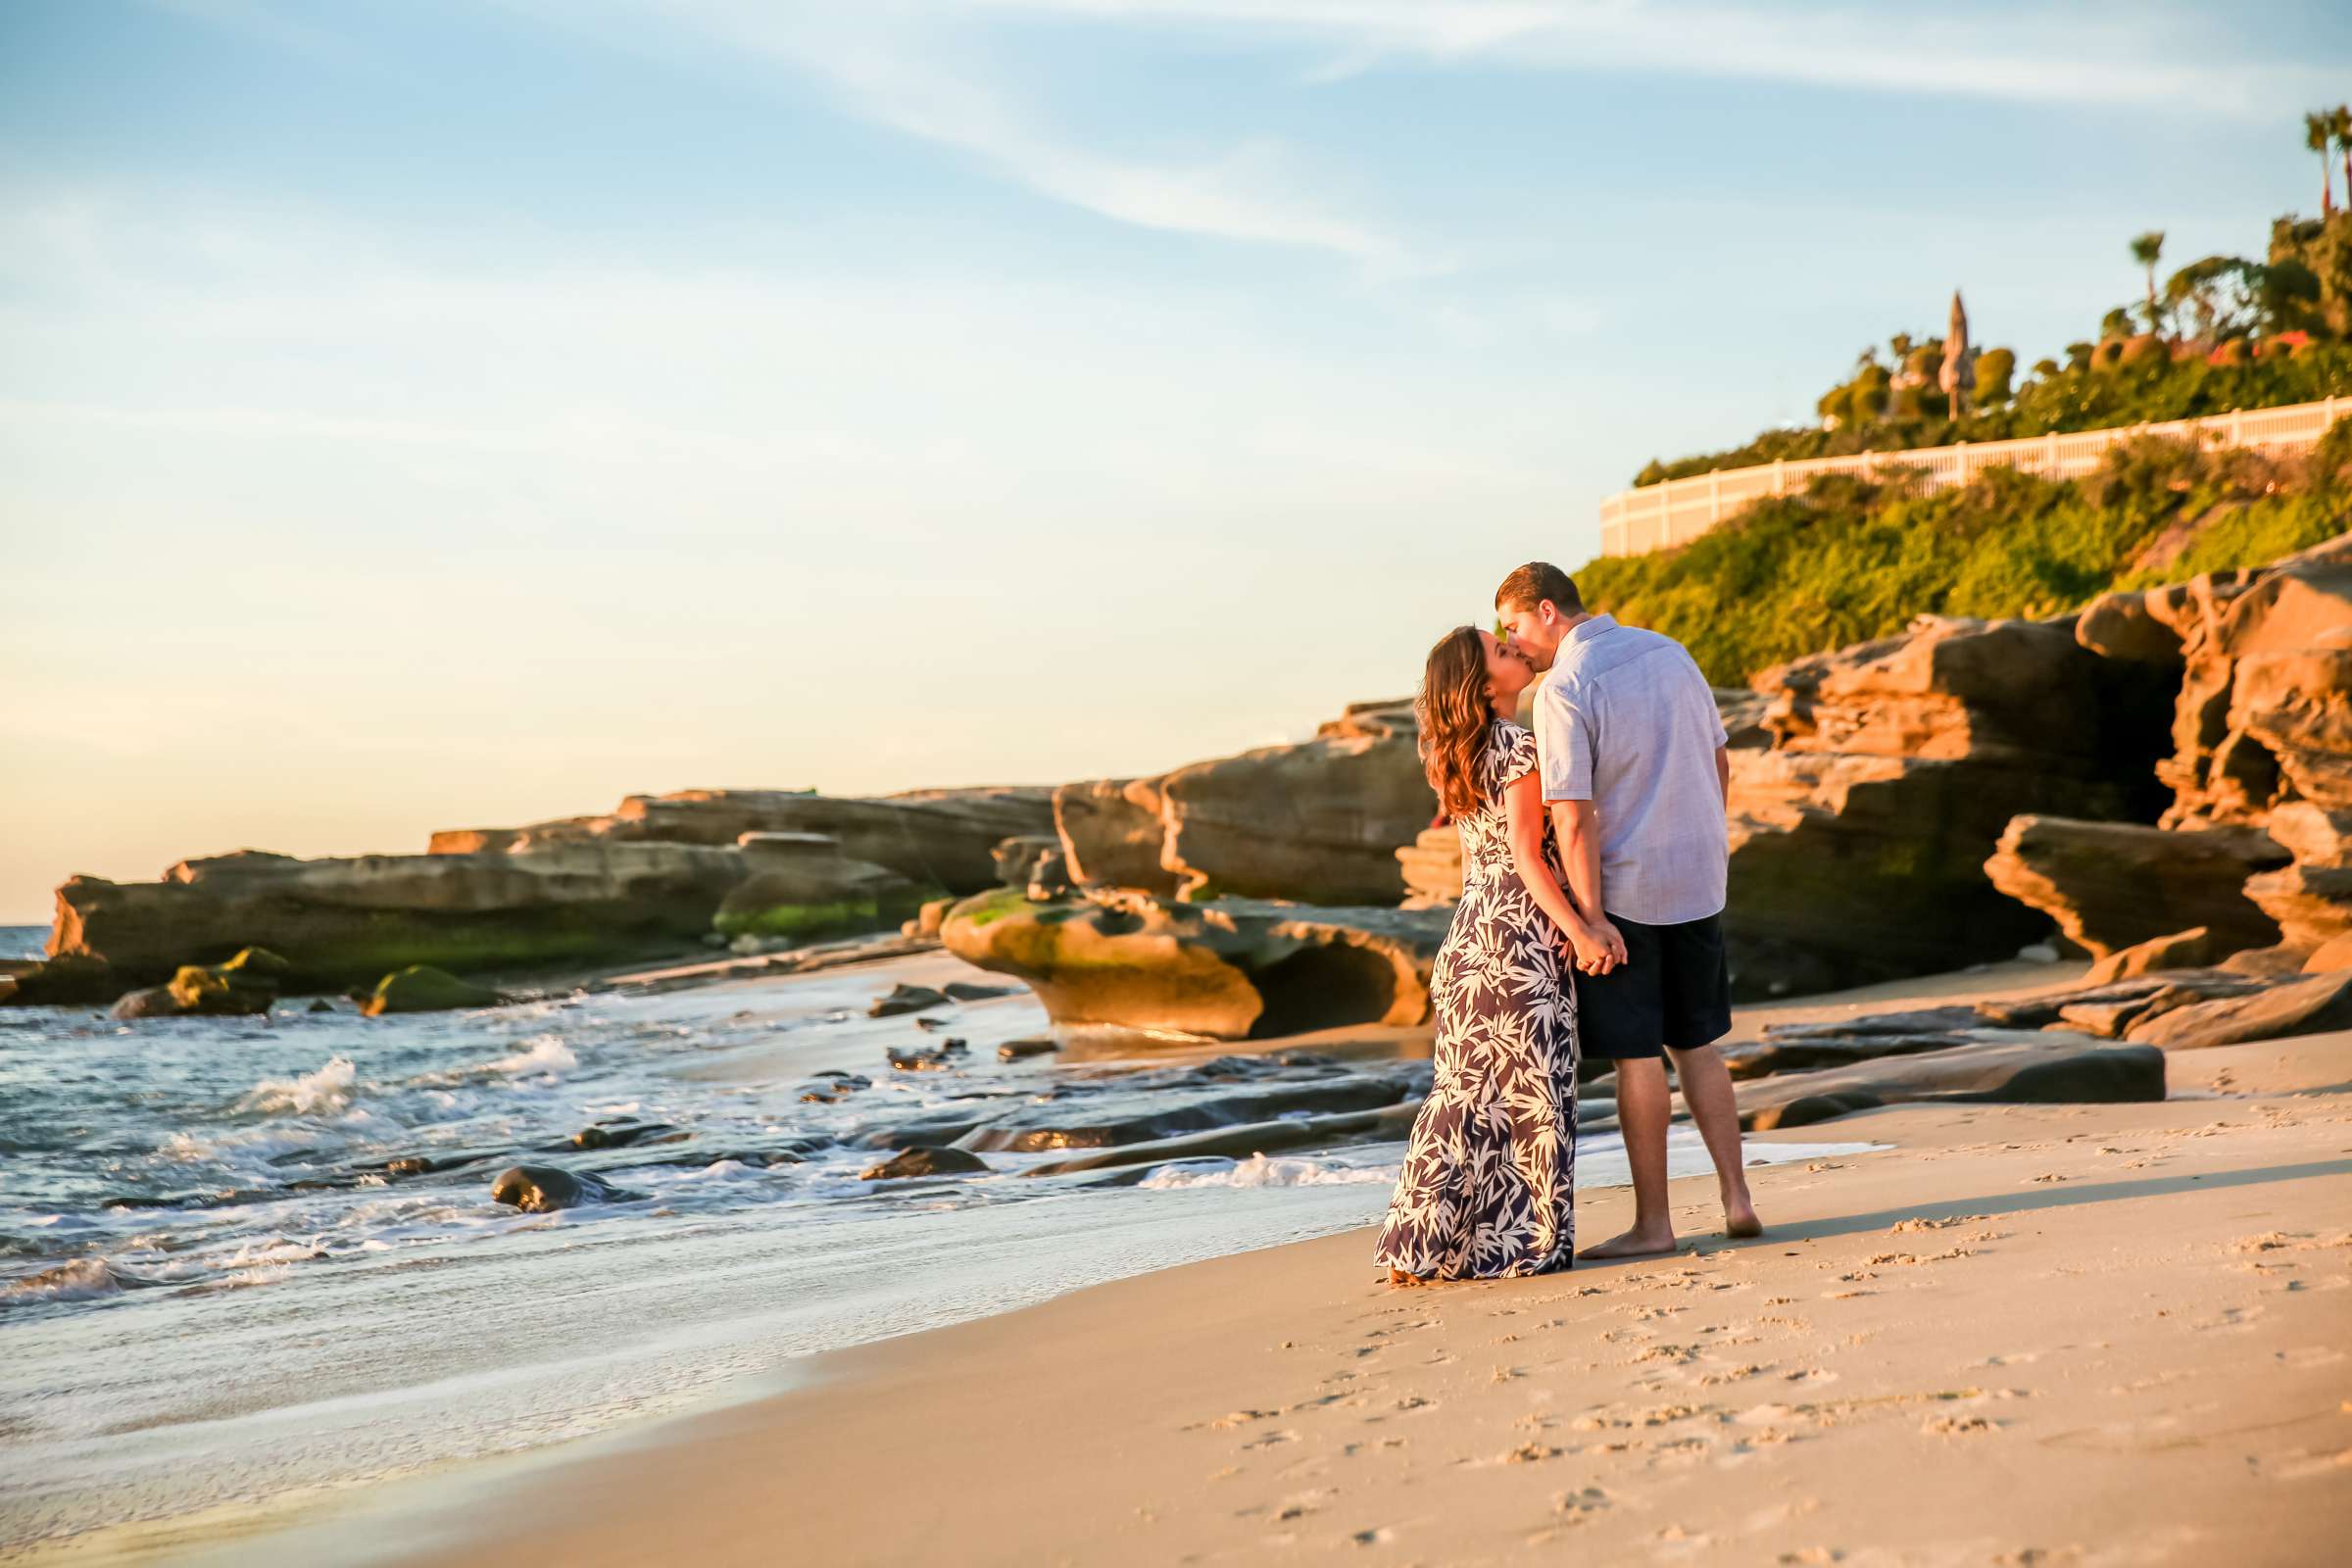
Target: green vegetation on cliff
x=2223 y=332
x=1849 y=561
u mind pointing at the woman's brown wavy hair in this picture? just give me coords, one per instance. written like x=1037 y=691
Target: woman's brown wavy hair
x=1456 y=714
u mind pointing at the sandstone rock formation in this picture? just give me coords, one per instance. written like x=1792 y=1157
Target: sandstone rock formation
x=1433 y=867
x=1016 y=858
x=2192 y=948
x=801 y=886
x=1319 y=822
x=1858 y=838
x=340 y=922
x=938 y=838
x=2264 y=710
x=1111 y=834
x=2050 y=1069
x=1227 y=969
x=2311 y=897
x=2312 y=1004
x=2112 y=885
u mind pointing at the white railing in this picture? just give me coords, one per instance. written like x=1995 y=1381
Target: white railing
x=1674 y=511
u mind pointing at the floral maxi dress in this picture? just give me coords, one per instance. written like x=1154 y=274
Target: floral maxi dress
x=1489 y=1185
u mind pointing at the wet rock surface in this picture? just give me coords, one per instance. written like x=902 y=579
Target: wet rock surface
x=544 y=1189
x=905 y=998
x=924 y=1161
x=421 y=988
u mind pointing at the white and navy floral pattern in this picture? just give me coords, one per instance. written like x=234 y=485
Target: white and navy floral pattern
x=1489 y=1185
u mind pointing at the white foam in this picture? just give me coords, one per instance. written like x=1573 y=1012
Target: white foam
x=547 y=1054
x=328 y=1089
x=1259 y=1171
x=82 y=1280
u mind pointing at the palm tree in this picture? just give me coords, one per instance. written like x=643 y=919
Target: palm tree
x=2145 y=249
x=2318 y=130
x=2341 y=125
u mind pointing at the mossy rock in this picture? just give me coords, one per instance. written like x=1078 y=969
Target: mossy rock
x=421 y=988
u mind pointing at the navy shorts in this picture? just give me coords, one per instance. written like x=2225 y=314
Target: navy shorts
x=1674 y=989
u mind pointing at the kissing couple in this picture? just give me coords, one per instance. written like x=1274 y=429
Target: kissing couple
x=1594 y=862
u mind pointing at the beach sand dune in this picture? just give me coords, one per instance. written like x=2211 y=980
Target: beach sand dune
x=2020 y=1335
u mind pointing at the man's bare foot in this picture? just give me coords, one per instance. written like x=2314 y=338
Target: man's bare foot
x=1633 y=1243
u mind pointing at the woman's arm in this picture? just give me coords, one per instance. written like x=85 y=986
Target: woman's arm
x=1522 y=807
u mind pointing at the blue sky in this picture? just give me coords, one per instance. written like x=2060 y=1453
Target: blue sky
x=426 y=414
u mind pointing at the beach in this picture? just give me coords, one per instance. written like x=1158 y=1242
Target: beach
x=1996 y=1333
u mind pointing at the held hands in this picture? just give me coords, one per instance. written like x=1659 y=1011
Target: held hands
x=1595 y=946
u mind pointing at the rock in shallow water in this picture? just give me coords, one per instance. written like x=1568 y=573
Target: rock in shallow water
x=421 y=988
x=905 y=999
x=543 y=1188
x=923 y=1161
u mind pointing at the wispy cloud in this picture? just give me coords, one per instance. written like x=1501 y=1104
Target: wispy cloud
x=912 y=68
x=2098 y=54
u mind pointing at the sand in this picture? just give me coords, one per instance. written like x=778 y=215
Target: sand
x=2018 y=1335
x=2024 y=1335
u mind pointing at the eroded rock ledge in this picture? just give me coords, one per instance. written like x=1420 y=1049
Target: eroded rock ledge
x=1226 y=969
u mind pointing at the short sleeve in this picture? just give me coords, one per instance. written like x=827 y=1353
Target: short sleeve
x=1519 y=756
x=1714 y=709
x=1564 y=739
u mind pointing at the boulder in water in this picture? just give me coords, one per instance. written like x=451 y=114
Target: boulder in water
x=923 y=1160
x=421 y=988
x=544 y=1189
x=903 y=999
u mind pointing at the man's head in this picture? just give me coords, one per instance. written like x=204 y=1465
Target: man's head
x=1538 y=605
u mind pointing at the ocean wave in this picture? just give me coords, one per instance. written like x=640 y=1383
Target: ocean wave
x=1259 y=1171
x=328 y=1089
x=84 y=1279
x=547 y=1054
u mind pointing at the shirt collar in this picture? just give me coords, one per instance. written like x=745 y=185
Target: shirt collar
x=1585 y=630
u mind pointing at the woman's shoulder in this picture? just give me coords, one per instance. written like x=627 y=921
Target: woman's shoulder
x=1511 y=749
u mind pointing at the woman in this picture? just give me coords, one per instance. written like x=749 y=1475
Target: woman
x=1489 y=1185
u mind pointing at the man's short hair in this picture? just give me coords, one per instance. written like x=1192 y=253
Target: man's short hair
x=1535 y=582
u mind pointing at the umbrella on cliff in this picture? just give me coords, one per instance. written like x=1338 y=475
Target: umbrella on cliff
x=1955 y=355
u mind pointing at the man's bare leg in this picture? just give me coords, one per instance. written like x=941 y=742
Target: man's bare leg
x=1642 y=1109
x=1707 y=1092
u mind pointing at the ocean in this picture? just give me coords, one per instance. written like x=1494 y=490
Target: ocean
x=213 y=1293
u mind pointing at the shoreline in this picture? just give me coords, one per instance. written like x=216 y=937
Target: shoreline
x=2026 y=1295
x=909 y=1374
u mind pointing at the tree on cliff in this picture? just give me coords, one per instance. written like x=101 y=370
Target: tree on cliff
x=2319 y=129
x=2145 y=249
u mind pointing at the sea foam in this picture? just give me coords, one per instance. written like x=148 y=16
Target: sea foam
x=328 y=1089
x=1259 y=1171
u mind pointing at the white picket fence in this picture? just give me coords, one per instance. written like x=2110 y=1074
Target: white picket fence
x=1674 y=511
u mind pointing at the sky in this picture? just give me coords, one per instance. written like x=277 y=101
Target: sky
x=419 y=415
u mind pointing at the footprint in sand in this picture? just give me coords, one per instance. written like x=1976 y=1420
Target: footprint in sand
x=1270 y=1440
x=1377 y=1536
x=1957 y=1425
x=2305 y=1465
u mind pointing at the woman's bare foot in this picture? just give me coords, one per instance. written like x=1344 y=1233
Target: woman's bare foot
x=1398 y=1279
x=1633 y=1243
x=1740 y=1222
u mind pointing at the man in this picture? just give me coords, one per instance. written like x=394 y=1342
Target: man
x=1634 y=773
